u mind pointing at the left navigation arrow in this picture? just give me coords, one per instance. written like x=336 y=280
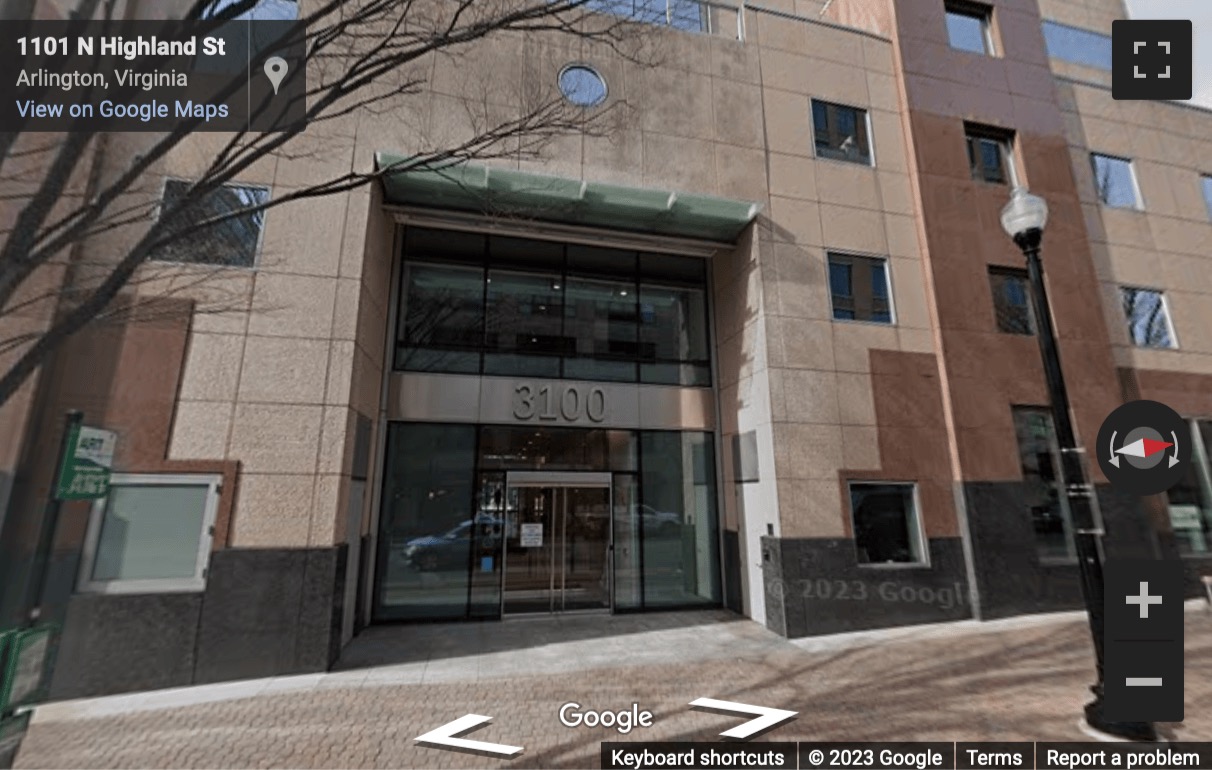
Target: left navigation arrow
x=444 y=737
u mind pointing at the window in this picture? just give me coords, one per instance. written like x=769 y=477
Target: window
x=1206 y=183
x=1012 y=301
x=232 y=242
x=1039 y=456
x=517 y=307
x=689 y=15
x=1078 y=46
x=859 y=287
x=887 y=528
x=968 y=27
x=1191 y=499
x=1148 y=319
x=1115 y=182
x=582 y=85
x=263 y=10
x=841 y=132
x=989 y=154
x=152 y=533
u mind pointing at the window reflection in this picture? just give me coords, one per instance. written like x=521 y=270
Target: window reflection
x=577 y=312
x=1039 y=455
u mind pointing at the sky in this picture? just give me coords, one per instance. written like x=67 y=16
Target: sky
x=1200 y=14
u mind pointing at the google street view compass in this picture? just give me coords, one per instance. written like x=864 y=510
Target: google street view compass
x=1144 y=448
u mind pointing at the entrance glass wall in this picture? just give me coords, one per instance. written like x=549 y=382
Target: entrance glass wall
x=469 y=527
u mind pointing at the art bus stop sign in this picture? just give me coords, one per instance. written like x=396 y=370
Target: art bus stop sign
x=84 y=469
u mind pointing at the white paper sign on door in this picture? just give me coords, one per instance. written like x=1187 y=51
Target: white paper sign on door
x=532 y=535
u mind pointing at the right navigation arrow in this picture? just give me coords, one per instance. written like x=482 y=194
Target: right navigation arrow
x=764 y=718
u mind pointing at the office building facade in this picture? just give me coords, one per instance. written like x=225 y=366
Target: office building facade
x=760 y=345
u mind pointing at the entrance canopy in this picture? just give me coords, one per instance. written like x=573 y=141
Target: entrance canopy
x=506 y=192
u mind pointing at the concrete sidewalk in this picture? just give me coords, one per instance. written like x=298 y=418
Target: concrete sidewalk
x=1021 y=679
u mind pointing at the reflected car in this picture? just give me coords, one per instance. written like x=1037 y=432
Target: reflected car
x=659 y=522
x=450 y=550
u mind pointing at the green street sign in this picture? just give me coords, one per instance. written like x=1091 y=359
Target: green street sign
x=25 y=667
x=85 y=467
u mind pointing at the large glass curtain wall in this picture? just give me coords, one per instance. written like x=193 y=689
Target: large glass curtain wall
x=446 y=503
x=476 y=304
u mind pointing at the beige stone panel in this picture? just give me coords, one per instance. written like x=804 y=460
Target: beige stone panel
x=372 y=325
x=334 y=439
x=735 y=60
x=860 y=447
x=273 y=511
x=1126 y=227
x=909 y=294
x=678 y=163
x=802 y=289
x=674 y=102
x=345 y=309
x=1169 y=360
x=304 y=237
x=896 y=193
x=617 y=157
x=212 y=367
x=889 y=141
x=781 y=33
x=367 y=382
x=1113 y=312
x=340 y=372
x=741 y=173
x=275 y=438
x=855 y=398
x=810 y=395
x=284 y=370
x=807 y=451
x=686 y=51
x=1190 y=273
x=834 y=44
x=847 y=184
x=852 y=342
x=882 y=91
x=1108 y=137
x=838 y=83
x=788 y=129
x=786 y=71
x=197 y=151
x=916 y=340
x=329 y=501
x=796 y=221
x=792 y=176
x=1180 y=235
x=877 y=55
x=1083 y=174
x=555 y=155
x=852 y=229
x=292 y=306
x=358 y=246
x=221 y=295
x=200 y=430
x=810 y=508
x=1186 y=187
x=1191 y=315
x=1138 y=267
x=1155 y=188
x=902 y=237
x=317 y=155
x=738 y=113
x=806 y=344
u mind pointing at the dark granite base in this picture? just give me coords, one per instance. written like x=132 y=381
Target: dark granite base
x=265 y=612
x=732 y=572
x=815 y=586
x=1011 y=578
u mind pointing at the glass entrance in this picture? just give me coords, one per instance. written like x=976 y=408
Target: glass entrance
x=557 y=543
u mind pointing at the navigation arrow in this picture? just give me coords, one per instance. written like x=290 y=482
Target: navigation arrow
x=764 y=718
x=444 y=737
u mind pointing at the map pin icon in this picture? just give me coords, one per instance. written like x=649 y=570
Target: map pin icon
x=275 y=70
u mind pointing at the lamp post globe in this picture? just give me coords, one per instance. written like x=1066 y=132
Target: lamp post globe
x=1025 y=216
x=1024 y=219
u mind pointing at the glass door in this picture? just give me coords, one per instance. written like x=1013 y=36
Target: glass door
x=557 y=543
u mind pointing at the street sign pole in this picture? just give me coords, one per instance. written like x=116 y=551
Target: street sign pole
x=50 y=521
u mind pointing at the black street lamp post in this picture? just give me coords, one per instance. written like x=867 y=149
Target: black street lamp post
x=1023 y=219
